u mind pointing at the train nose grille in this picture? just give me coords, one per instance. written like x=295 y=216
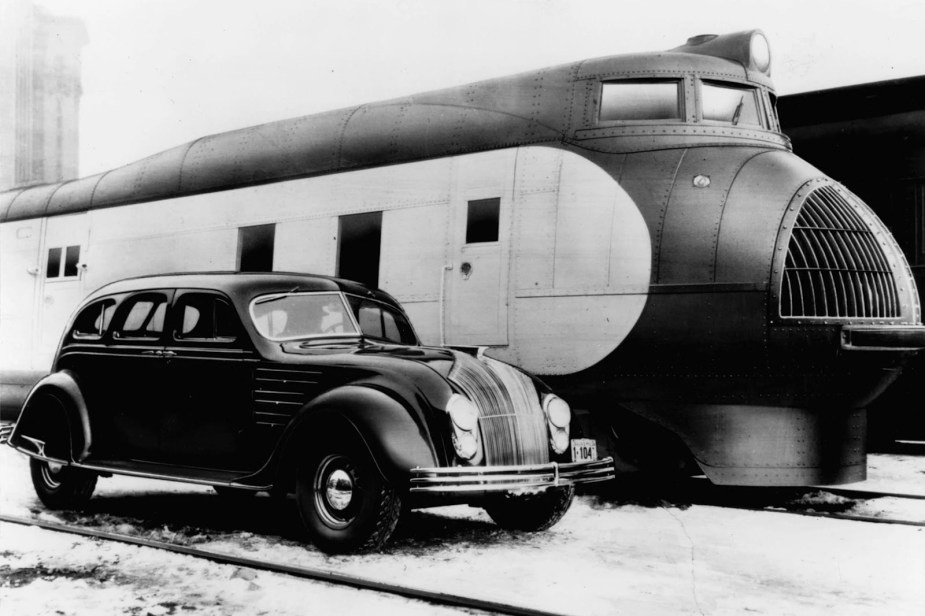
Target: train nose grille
x=835 y=265
x=512 y=423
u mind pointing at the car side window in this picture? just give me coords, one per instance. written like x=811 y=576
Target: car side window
x=94 y=320
x=379 y=321
x=144 y=317
x=205 y=317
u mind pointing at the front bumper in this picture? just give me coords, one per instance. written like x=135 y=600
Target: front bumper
x=473 y=479
x=883 y=338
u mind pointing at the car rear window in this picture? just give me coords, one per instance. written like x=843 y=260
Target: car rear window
x=94 y=320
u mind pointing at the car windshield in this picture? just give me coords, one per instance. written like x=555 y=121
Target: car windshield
x=292 y=316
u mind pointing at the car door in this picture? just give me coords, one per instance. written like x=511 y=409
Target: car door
x=208 y=421
x=124 y=381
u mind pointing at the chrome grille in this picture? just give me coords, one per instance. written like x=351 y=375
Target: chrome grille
x=835 y=266
x=512 y=424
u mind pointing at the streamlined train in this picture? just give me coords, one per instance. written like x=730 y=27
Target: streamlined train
x=873 y=136
x=634 y=229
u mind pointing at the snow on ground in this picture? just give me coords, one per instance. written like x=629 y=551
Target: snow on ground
x=609 y=555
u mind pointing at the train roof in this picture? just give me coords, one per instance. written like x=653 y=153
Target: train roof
x=547 y=106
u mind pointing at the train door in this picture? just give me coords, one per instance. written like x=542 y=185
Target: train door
x=19 y=270
x=61 y=270
x=476 y=293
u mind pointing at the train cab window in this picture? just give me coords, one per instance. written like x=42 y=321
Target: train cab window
x=205 y=317
x=626 y=101
x=93 y=321
x=144 y=317
x=730 y=104
x=63 y=262
x=482 y=220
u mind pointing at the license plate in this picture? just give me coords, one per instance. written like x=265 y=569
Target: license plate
x=584 y=450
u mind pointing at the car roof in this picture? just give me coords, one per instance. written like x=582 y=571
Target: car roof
x=244 y=285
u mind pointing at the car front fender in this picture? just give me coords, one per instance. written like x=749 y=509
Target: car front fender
x=395 y=440
x=54 y=424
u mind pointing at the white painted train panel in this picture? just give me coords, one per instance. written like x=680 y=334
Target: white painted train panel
x=538 y=241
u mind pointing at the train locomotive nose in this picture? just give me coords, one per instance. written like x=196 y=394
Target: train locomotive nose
x=840 y=262
x=800 y=311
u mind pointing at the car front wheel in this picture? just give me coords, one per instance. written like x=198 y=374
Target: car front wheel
x=530 y=512
x=59 y=486
x=344 y=502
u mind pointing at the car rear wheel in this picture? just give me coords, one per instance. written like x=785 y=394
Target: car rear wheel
x=344 y=503
x=59 y=486
x=530 y=512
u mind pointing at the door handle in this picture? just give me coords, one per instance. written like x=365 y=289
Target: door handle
x=150 y=352
x=167 y=353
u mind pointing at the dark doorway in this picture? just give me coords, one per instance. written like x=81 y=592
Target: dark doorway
x=255 y=248
x=358 y=255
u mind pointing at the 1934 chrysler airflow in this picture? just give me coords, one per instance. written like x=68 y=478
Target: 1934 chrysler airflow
x=296 y=383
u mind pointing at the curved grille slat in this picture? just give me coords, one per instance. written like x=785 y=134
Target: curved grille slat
x=834 y=265
x=512 y=423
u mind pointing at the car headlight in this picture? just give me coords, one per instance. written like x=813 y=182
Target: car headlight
x=464 y=417
x=558 y=416
x=464 y=414
x=557 y=411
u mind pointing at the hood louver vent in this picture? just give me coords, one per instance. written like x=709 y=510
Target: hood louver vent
x=835 y=266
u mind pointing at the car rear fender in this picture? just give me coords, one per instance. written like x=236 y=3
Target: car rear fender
x=53 y=424
x=385 y=427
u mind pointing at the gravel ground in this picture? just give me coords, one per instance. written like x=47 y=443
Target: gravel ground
x=617 y=553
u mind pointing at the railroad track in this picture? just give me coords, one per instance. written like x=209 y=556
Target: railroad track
x=699 y=491
x=308 y=573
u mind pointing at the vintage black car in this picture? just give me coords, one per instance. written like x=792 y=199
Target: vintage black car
x=293 y=383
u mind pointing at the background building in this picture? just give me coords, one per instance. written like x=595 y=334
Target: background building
x=40 y=57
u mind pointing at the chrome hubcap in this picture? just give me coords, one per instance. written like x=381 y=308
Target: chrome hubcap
x=339 y=490
x=49 y=472
x=336 y=492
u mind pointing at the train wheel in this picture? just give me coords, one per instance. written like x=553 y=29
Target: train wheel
x=344 y=503
x=59 y=486
x=530 y=512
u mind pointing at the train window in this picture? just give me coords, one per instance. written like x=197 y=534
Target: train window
x=255 y=248
x=63 y=262
x=729 y=104
x=482 y=220
x=359 y=245
x=94 y=320
x=53 y=268
x=71 y=258
x=641 y=100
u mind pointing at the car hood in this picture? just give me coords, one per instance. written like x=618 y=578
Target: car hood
x=439 y=359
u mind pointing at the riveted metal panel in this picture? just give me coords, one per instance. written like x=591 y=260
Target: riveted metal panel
x=693 y=214
x=753 y=212
x=72 y=196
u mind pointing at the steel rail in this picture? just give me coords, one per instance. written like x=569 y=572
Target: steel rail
x=308 y=573
x=841 y=516
x=849 y=493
